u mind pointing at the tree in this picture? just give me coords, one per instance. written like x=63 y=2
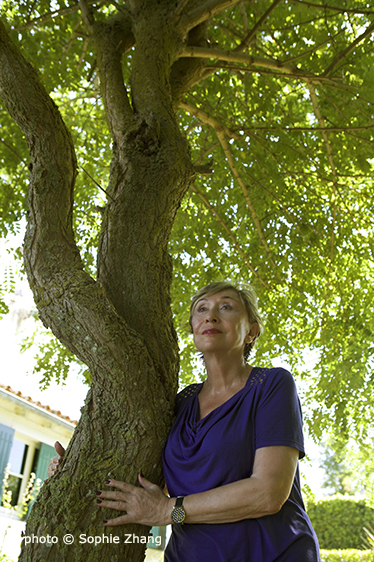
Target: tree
x=338 y=472
x=275 y=98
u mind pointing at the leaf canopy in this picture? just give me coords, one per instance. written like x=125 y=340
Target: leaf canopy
x=284 y=110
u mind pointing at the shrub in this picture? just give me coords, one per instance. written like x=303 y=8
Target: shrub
x=339 y=521
x=347 y=555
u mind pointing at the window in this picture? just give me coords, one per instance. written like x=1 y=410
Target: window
x=17 y=461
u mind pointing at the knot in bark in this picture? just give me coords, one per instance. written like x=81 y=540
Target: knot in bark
x=144 y=135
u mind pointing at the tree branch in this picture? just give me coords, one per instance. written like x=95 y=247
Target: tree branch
x=71 y=40
x=308 y=129
x=321 y=122
x=322 y=127
x=186 y=72
x=232 y=56
x=204 y=169
x=349 y=49
x=50 y=142
x=231 y=235
x=52 y=15
x=292 y=217
x=182 y=4
x=151 y=68
x=111 y=39
x=205 y=11
x=190 y=76
x=316 y=47
x=220 y=131
x=12 y=149
x=68 y=300
x=324 y=7
x=300 y=75
x=150 y=173
x=87 y=13
x=252 y=34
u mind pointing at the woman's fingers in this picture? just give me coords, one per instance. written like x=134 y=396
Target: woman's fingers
x=53 y=466
x=117 y=521
x=55 y=462
x=146 y=505
x=113 y=496
x=124 y=486
x=146 y=483
x=116 y=499
x=119 y=505
x=59 y=449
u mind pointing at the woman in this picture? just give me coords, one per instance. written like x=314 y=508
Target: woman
x=231 y=458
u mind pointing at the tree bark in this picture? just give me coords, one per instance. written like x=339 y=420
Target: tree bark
x=121 y=324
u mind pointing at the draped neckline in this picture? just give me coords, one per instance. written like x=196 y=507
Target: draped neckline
x=196 y=406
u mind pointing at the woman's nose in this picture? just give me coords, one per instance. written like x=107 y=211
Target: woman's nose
x=211 y=317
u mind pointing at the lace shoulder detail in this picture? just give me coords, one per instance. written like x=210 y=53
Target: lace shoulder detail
x=186 y=393
x=258 y=377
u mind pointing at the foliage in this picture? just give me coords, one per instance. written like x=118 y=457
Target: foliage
x=20 y=510
x=350 y=555
x=10 y=269
x=369 y=477
x=358 y=459
x=288 y=206
x=52 y=360
x=308 y=494
x=5 y=558
x=28 y=496
x=339 y=521
x=335 y=462
x=6 y=495
x=368 y=538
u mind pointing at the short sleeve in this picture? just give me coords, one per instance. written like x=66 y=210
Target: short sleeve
x=184 y=395
x=278 y=418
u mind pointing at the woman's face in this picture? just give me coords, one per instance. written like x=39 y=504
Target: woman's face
x=220 y=323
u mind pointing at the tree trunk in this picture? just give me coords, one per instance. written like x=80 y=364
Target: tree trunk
x=121 y=324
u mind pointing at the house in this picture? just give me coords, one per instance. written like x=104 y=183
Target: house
x=28 y=431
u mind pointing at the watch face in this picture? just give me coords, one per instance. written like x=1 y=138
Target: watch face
x=178 y=514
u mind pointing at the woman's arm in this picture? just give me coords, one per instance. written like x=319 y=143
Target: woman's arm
x=263 y=493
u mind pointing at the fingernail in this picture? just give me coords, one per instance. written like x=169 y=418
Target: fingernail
x=107 y=482
x=99 y=501
x=98 y=493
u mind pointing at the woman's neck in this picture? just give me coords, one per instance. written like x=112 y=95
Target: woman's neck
x=223 y=374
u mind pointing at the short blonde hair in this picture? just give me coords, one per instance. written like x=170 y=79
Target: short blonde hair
x=248 y=297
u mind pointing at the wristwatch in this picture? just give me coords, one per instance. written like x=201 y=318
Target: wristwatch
x=178 y=513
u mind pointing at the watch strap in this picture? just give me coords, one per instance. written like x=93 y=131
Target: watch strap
x=178 y=513
x=179 y=501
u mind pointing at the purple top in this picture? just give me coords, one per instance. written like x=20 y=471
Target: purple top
x=203 y=454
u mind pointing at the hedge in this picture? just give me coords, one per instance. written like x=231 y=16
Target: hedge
x=347 y=555
x=339 y=522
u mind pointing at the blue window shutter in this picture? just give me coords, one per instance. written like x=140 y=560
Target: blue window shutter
x=6 y=440
x=45 y=454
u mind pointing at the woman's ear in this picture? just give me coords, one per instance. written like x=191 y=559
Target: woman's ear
x=253 y=333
